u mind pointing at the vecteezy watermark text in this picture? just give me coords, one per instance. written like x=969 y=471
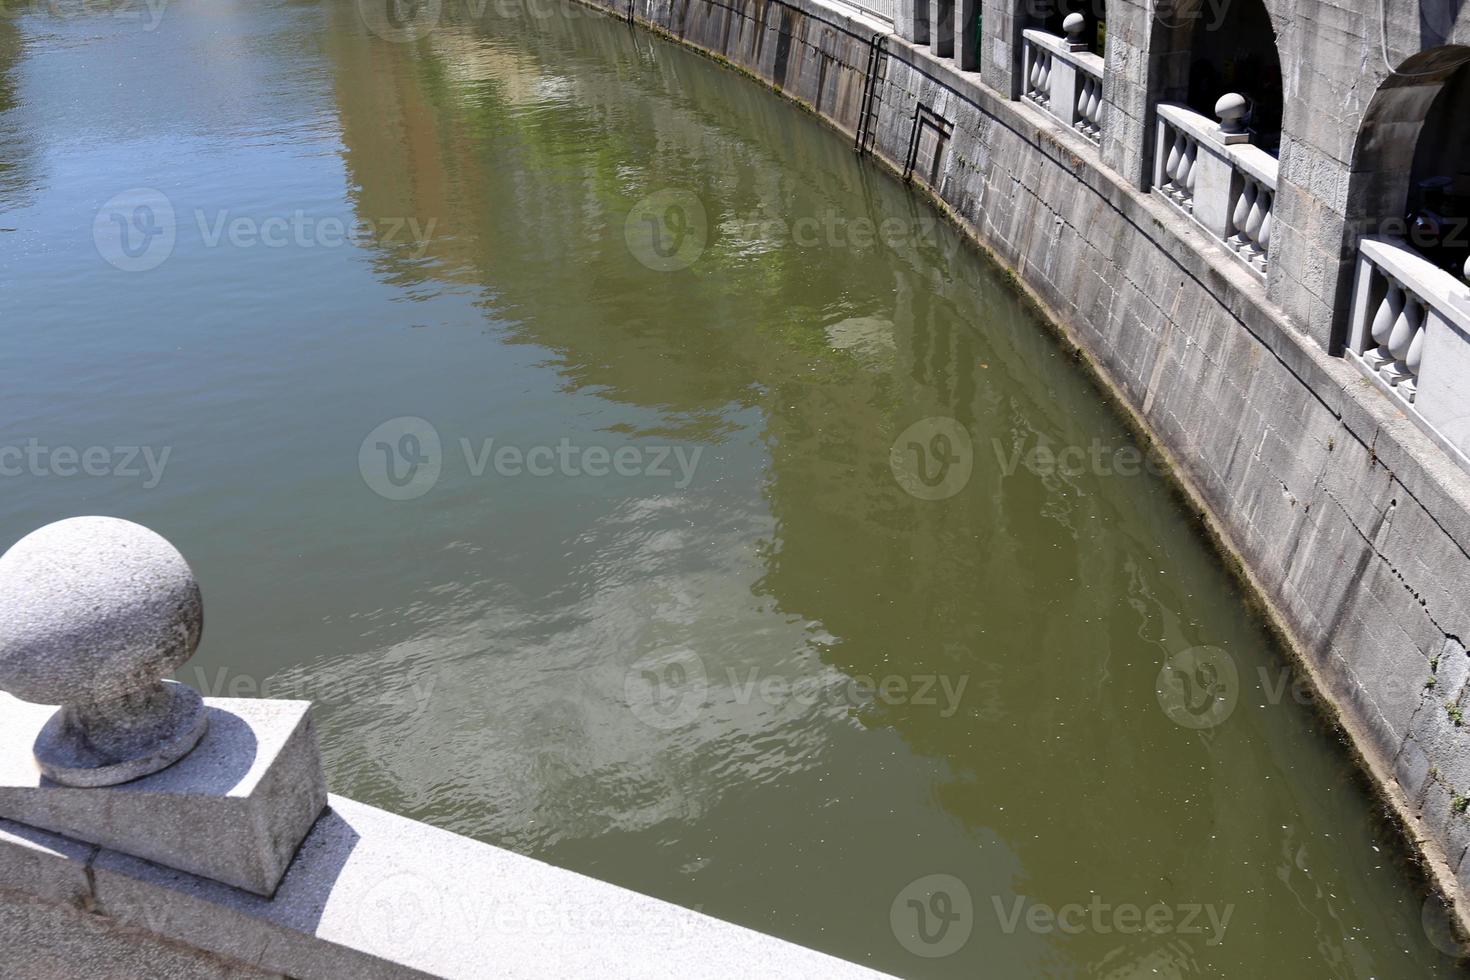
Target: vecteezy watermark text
x=1202 y=686
x=137 y=230
x=403 y=459
x=934 y=917
x=670 y=229
x=669 y=689
x=1096 y=458
x=835 y=229
x=34 y=458
x=1105 y=918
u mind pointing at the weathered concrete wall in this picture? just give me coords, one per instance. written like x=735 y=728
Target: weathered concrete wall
x=1351 y=524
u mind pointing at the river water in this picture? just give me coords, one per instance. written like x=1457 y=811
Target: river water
x=637 y=480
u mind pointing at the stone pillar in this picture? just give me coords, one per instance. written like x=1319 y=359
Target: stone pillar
x=967 y=34
x=1216 y=186
x=911 y=21
x=1129 y=91
x=1000 y=47
x=941 y=27
x=1064 y=82
x=1219 y=184
x=1066 y=78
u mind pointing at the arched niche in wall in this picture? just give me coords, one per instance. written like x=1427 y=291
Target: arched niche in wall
x=1411 y=163
x=1048 y=15
x=1201 y=51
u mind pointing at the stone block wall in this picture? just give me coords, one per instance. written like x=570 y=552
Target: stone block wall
x=1351 y=524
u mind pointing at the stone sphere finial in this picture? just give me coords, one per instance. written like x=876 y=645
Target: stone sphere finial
x=94 y=612
x=1074 y=24
x=1232 y=109
x=1467 y=270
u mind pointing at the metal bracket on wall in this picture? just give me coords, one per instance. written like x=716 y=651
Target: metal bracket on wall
x=873 y=79
x=924 y=117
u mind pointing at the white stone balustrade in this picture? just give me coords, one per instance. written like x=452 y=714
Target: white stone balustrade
x=883 y=10
x=1088 y=111
x=1254 y=200
x=1066 y=79
x=1410 y=333
x=1176 y=165
x=1211 y=173
x=1038 y=66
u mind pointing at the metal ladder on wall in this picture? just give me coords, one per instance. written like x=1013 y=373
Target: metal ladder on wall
x=873 y=79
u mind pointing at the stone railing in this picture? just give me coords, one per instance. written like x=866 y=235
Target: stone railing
x=883 y=10
x=141 y=823
x=1213 y=174
x=1410 y=333
x=1037 y=67
x=1176 y=164
x=1064 y=78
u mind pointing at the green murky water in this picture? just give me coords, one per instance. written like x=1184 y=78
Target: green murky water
x=802 y=567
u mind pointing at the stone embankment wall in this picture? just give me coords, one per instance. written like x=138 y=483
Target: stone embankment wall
x=1348 y=521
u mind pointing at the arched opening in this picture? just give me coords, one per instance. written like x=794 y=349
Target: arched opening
x=1437 y=209
x=1048 y=15
x=1202 y=51
x=1411 y=166
x=1406 y=242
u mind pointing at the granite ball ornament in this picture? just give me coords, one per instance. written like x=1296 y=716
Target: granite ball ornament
x=94 y=613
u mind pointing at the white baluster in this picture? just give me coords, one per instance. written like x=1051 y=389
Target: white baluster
x=1191 y=168
x=1176 y=153
x=1181 y=169
x=1405 y=329
x=1410 y=387
x=1263 y=237
x=1254 y=222
x=1383 y=321
x=1240 y=218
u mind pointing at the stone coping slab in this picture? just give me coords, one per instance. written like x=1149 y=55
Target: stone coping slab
x=372 y=895
x=235 y=809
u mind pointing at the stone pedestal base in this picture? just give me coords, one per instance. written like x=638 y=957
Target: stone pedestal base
x=235 y=809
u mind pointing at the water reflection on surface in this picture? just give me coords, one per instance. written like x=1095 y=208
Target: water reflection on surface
x=771 y=684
